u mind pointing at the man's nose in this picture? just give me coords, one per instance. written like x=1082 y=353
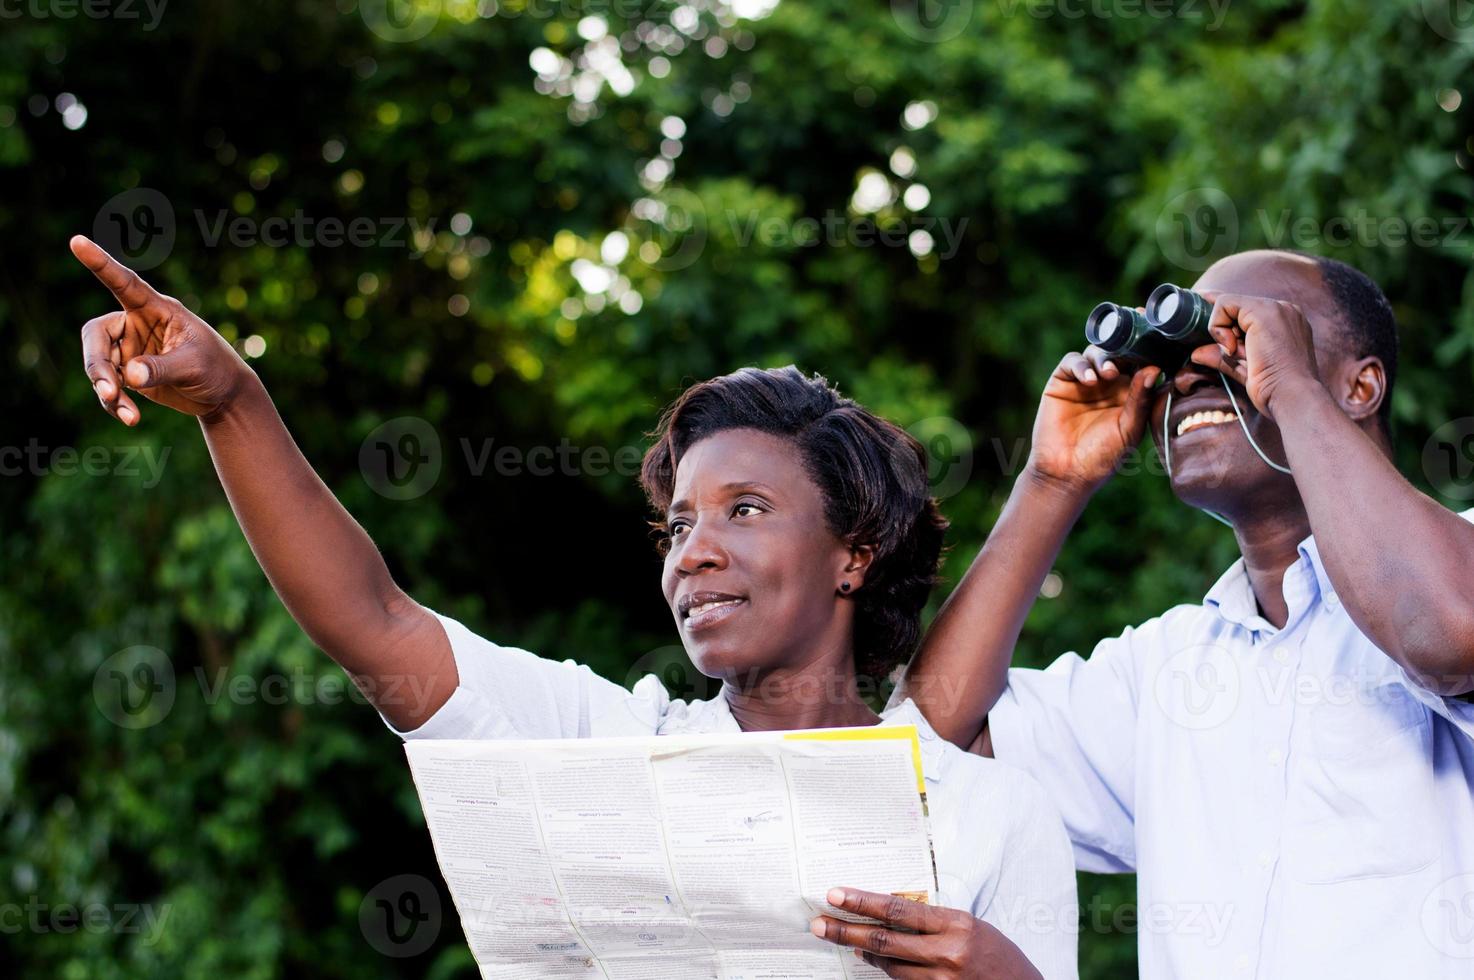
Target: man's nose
x=1190 y=377
x=702 y=549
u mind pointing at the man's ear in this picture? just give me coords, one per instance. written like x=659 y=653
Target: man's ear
x=858 y=564
x=1363 y=388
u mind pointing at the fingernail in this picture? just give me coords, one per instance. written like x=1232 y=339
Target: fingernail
x=835 y=896
x=817 y=927
x=126 y=414
x=1089 y=375
x=104 y=389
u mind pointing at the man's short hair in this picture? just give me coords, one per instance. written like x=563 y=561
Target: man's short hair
x=1367 y=321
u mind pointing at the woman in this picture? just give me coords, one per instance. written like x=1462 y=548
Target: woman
x=799 y=546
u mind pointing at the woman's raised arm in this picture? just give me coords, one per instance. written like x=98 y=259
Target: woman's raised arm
x=321 y=562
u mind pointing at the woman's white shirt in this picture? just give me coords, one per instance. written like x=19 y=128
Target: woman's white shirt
x=1001 y=848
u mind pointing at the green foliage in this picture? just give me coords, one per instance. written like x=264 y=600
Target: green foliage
x=1058 y=147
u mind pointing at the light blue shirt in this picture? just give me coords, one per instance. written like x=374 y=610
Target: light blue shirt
x=1000 y=847
x=1293 y=803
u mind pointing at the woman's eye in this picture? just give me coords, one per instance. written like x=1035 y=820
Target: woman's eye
x=753 y=508
x=676 y=528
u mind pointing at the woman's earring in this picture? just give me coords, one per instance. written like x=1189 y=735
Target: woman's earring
x=844 y=586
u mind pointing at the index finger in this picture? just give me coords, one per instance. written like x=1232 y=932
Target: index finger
x=125 y=284
x=893 y=910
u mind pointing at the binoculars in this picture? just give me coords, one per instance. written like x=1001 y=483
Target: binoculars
x=1175 y=324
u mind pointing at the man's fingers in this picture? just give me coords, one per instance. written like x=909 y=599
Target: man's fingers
x=1075 y=367
x=1228 y=311
x=1212 y=356
x=869 y=938
x=1138 y=404
x=125 y=284
x=1227 y=338
x=1101 y=361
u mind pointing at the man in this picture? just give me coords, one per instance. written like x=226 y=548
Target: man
x=1288 y=765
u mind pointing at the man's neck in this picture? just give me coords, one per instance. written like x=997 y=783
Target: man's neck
x=1270 y=545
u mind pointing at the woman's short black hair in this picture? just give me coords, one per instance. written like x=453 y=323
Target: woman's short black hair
x=871 y=473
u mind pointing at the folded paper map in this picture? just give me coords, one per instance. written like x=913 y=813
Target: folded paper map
x=684 y=856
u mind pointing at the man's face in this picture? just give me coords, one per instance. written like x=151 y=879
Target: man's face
x=1213 y=466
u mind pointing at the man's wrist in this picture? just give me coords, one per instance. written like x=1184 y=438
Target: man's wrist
x=1071 y=489
x=1295 y=398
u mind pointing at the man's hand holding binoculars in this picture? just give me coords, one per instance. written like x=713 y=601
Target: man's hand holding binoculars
x=1265 y=345
x=1091 y=414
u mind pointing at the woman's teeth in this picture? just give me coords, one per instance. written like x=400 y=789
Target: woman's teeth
x=698 y=610
x=1199 y=419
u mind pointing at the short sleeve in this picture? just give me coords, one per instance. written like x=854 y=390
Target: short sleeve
x=1457 y=711
x=505 y=692
x=1072 y=726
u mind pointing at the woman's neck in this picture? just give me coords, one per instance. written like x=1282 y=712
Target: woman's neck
x=817 y=695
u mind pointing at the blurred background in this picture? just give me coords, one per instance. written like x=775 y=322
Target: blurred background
x=473 y=247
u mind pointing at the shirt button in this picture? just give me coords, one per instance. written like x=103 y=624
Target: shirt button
x=1275 y=757
x=1332 y=600
x=1265 y=859
x=1282 y=655
x=1242 y=962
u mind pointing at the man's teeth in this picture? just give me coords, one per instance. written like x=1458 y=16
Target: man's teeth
x=1199 y=419
x=698 y=610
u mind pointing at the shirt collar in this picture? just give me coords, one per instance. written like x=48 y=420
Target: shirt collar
x=1233 y=595
x=1310 y=553
x=715 y=715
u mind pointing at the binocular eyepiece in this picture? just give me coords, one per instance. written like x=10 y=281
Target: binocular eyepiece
x=1175 y=323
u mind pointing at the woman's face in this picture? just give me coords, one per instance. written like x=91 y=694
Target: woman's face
x=753 y=571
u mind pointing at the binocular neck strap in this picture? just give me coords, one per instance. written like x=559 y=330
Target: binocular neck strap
x=1167 y=441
